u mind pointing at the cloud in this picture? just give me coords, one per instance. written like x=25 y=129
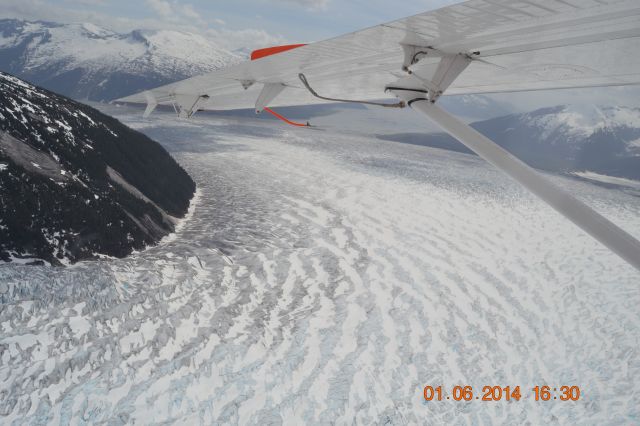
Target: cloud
x=247 y=39
x=189 y=12
x=182 y=18
x=88 y=2
x=161 y=7
x=41 y=10
x=175 y=13
x=309 y=4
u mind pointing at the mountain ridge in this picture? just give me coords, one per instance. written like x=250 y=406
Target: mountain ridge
x=563 y=138
x=88 y=62
x=76 y=184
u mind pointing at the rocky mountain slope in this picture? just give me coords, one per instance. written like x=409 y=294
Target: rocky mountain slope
x=84 y=61
x=566 y=138
x=76 y=184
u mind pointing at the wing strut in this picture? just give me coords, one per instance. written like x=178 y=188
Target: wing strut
x=269 y=92
x=596 y=225
x=152 y=104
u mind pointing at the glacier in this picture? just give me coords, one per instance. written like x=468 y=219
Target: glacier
x=326 y=277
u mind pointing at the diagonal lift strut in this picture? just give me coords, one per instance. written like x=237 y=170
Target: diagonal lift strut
x=422 y=97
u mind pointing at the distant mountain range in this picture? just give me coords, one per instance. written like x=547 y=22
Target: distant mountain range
x=567 y=138
x=87 y=62
x=76 y=184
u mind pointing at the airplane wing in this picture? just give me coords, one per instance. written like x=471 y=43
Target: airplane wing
x=479 y=46
x=516 y=45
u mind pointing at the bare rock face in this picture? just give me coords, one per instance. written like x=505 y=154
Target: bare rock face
x=76 y=184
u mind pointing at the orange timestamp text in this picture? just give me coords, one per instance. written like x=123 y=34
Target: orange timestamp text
x=501 y=393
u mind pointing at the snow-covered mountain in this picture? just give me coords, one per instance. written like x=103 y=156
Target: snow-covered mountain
x=85 y=61
x=76 y=184
x=566 y=138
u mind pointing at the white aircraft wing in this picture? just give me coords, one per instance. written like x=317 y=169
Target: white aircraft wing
x=516 y=45
x=479 y=46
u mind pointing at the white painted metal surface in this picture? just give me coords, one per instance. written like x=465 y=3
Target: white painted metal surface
x=522 y=45
x=269 y=92
x=151 y=104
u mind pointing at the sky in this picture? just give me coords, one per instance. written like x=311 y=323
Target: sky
x=252 y=24
x=235 y=22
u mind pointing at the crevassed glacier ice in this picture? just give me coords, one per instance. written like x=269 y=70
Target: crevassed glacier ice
x=325 y=277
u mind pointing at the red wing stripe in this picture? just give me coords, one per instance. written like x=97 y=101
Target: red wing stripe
x=268 y=51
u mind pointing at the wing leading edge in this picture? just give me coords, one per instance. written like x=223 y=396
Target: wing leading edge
x=515 y=46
